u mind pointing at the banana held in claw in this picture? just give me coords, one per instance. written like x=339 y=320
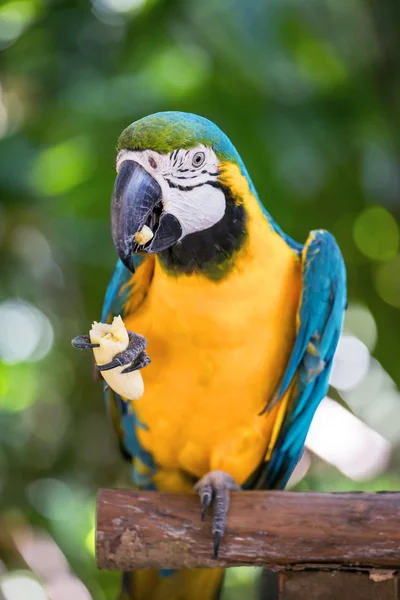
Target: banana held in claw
x=143 y=236
x=113 y=338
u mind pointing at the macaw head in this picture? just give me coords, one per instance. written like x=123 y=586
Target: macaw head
x=174 y=193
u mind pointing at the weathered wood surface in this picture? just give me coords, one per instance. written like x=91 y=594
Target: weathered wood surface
x=334 y=585
x=277 y=530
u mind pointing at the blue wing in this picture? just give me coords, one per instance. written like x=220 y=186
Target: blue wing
x=118 y=290
x=124 y=418
x=320 y=319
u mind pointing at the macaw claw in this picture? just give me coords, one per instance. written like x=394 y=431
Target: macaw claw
x=134 y=357
x=108 y=366
x=140 y=361
x=82 y=342
x=214 y=488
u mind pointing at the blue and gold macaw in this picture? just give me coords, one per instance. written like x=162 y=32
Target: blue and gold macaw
x=242 y=324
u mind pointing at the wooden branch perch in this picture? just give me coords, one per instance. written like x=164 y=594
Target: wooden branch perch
x=277 y=530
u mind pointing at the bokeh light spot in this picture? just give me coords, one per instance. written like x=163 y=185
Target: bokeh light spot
x=19 y=585
x=238 y=581
x=52 y=498
x=90 y=541
x=360 y=322
x=41 y=553
x=387 y=282
x=300 y=470
x=67 y=586
x=120 y=6
x=191 y=62
x=26 y=333
x=318 y=60
x=18 y=388
x=14 y=18
x=382 y=415
x=31 y=245
x=344 y=441
x=350 y=364
x=61 y=168
x=376 y=233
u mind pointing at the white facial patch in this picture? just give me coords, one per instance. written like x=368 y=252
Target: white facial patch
x=197 y=209
x=187 y=179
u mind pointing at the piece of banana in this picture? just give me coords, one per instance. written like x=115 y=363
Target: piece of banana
x=113 y=338
x=143 y=236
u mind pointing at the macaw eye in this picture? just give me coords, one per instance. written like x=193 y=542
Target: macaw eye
x=198 y=159
x=152 y=162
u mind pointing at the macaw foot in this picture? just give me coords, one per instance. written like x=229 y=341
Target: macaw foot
x=133 y=358
x=214 y=488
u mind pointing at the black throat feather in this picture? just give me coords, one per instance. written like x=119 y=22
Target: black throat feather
x=210 y=252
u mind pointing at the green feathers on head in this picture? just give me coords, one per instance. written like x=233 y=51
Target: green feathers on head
x=167 y=131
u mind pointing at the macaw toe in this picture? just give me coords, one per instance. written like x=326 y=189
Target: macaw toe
x=82 y=342
x=215 y=488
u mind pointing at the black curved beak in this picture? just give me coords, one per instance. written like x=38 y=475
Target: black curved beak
x=137 y=201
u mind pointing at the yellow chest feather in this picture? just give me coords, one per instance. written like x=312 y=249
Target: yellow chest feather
x=218 y=350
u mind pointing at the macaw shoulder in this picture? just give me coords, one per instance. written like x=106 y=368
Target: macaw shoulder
x=322 y=267
x=321 y=238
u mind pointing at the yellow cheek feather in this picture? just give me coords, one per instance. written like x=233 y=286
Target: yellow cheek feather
x=218 y=349
x=231 y=177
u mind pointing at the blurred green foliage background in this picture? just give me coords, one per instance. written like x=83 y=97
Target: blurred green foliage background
x=308 y=91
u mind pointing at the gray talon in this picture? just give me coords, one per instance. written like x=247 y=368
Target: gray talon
x=108 y=366
x=214 y=488
x=217 y=539
x=206 y=496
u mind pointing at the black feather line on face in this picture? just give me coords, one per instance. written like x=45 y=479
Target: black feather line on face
x=184 y=188
x=188 y=188
x=174 y=156
x=210 y=251
x=195 y=176
x=186 y=176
